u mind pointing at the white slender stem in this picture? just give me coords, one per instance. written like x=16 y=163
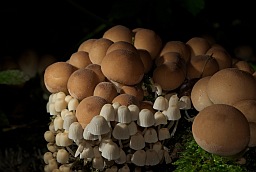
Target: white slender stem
x=175 y=128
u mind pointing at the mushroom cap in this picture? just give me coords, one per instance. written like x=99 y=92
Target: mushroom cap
x=86 y=45
x=111 y=151
x=139 y=158
x=222 y=57
x=122 y=45
x=98 y=50
x=161 y=103
x=126 y=99
x=123 y=114
x=146 y=118
x=146 y=60
x=169 y=76
x=152 y=157
x=248 y=108
x=106 y=90
x=221 y=129
x=243 y=65
x=131 y=71
x=150 y=135
x=56 y=76
x=80 y=59
x=118 y=33
x=88 y=108
x=98 y=125
x=252 y=142
x=81 y=83
x=201 y=65
x=97 y=69
x=199 y=96
x=149 y=40
x=231 y=85
x=135 y=91
x=75 y=131
x=121 y=131
x=198 y=46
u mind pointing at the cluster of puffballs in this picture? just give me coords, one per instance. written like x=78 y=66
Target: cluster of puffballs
x=97 y=103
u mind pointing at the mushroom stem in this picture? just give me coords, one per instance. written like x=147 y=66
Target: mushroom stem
x=175 y=128
x=70 y=151
x=170 y=124
x=188 y=118
x=120 y=143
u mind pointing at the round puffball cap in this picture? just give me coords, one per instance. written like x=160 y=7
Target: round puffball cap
x=248 y=108
x=81 y=83
x=79 y=59
x=97 y=69
x=56 y=76
x=231 y=85
x=199 y=97
x=221 y=129
x=106 y=90
x=126 y=100
x=86 y=45
x=118 y=33
x=121 y=45
x=88 y=108
x=198 y=46
x=123 y=66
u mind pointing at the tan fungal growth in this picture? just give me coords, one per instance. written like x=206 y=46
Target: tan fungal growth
x=80 y=59
x=118 y=33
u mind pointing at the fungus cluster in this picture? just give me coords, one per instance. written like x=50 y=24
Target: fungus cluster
x=117 y=100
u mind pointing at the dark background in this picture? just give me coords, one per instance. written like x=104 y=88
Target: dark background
x=57 y=27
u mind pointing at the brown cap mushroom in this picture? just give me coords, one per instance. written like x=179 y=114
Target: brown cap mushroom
x=106 y=90
x=88 y=108
x=118 y=33
x=86 y=45
x=56 y=76
x=135 y=91
x=126 y=99
x=198 y=46
x=221 y=129
x=231 y=85
x=97 y=69
x=123 y=66
x=81 y=83
x=80 y=59
x=121 y=45
x=248 y=108
x=243 y=65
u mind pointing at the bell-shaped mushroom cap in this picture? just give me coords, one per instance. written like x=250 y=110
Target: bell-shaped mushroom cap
x=106 y=90
x=89 y=136
x=132 y=128
x=252 y=142
x=169 y=76
x=118 y=33
x=199 y=96
x=98 y=163
x=172 y=113
x=231 y=85
x=97 y=69
x=88 y=108
x=122 y=158
x=123 y=114
x=152 y=157
x=160 y=103
x=49 y=136
x=131 y=71
x=108 y=112
x=56 y=76
x=111 y=151
x=198 y=46
x=68 y=120
x=150 y=135
x=125 y=168
x=139 y=158
x=185 y=102
x=60 y=104
x=173 y=100
x=80 y=59
x=72 y=104
x=160 y=118
x=80 y=79
x=62 y=156
x=121 y=131
x=137 y=141
x=126 y=100
x=86 y=45
x=134 y=110
x=98 y=125
x=98 y=50
x=149 y=40
x=75 y=131
x=146 y=118
x=163 y=133
x=87 y=152
x=248 y=108
x=58 y=123
x=62 y=139
x=177 y=46
x=221 y=129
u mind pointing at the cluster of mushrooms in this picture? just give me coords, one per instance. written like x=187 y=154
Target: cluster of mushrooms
x=100 y=114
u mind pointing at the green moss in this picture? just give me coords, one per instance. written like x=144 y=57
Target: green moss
x=193 y=158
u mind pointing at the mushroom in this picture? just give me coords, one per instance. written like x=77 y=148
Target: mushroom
x=135 y=91
x=151 y=157
x=80 y=59
x=126 y=100
x=121 y=45
x=221 y=129
x=248 y=108
x=62 y=156
x=108 y=112
x=86 y=45
x=106 y=90
x=97 y=69
x=56 y=76
x=75 y=131
x=160 y=103
x=123 y=114
x=134 y=110
x=118 y=33
x=121 y=132
x=139 y=158
x=231 y=85
x=111 y=151
x=146 y=119
x=198 y=46
x=137 y=141
x=98 y=126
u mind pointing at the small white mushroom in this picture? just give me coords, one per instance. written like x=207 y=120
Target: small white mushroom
x=172 y=113
x=123 y=114
x=62 y=139
x=174 y=100
x=98 y=163
x=137 y=141
x=47 y=156
x=132 y=128
x=108 y=112
x=49 y=136
x=68 y=120
x=160 y=103
x=150 y=136
x=134 y=109
x=146 y=118
x=163 y=133
x=87 y=152
x=122 y=158
x=60 y=104
x=72 y=104
x=62 y=156
x=121 y=132
x=111 y=151
x=139 y=158
x=75 y=131
x=89 y=136
x=58 y=123
x=151 y=157
x=98 y=126
x=52 y=147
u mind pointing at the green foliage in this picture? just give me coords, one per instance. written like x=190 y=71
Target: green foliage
x=193 y=6
x=13 y=77
x=194 y=159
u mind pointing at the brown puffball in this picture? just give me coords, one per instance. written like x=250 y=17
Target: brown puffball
x=135 y=91
x=221 y=129
x=243 y=65
x=97 y=69
x=121 y=45
x=118 y=33
x=98 y=50
x=56 y=76
x=88 y=108
x=231 y=85
x=106 y=90
x=178 y=47
x=252 y=142
x=201 y=65
x=86 y=45
x=79 y=59
x=81 y=83
x=169 y=76
x=149 y=40
x=199 y=97
x=146 y=60
x=147 y=105
x=126 y=99
x=248 y=108
x=223 y=58
x=123 y=66
x=198 y=46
